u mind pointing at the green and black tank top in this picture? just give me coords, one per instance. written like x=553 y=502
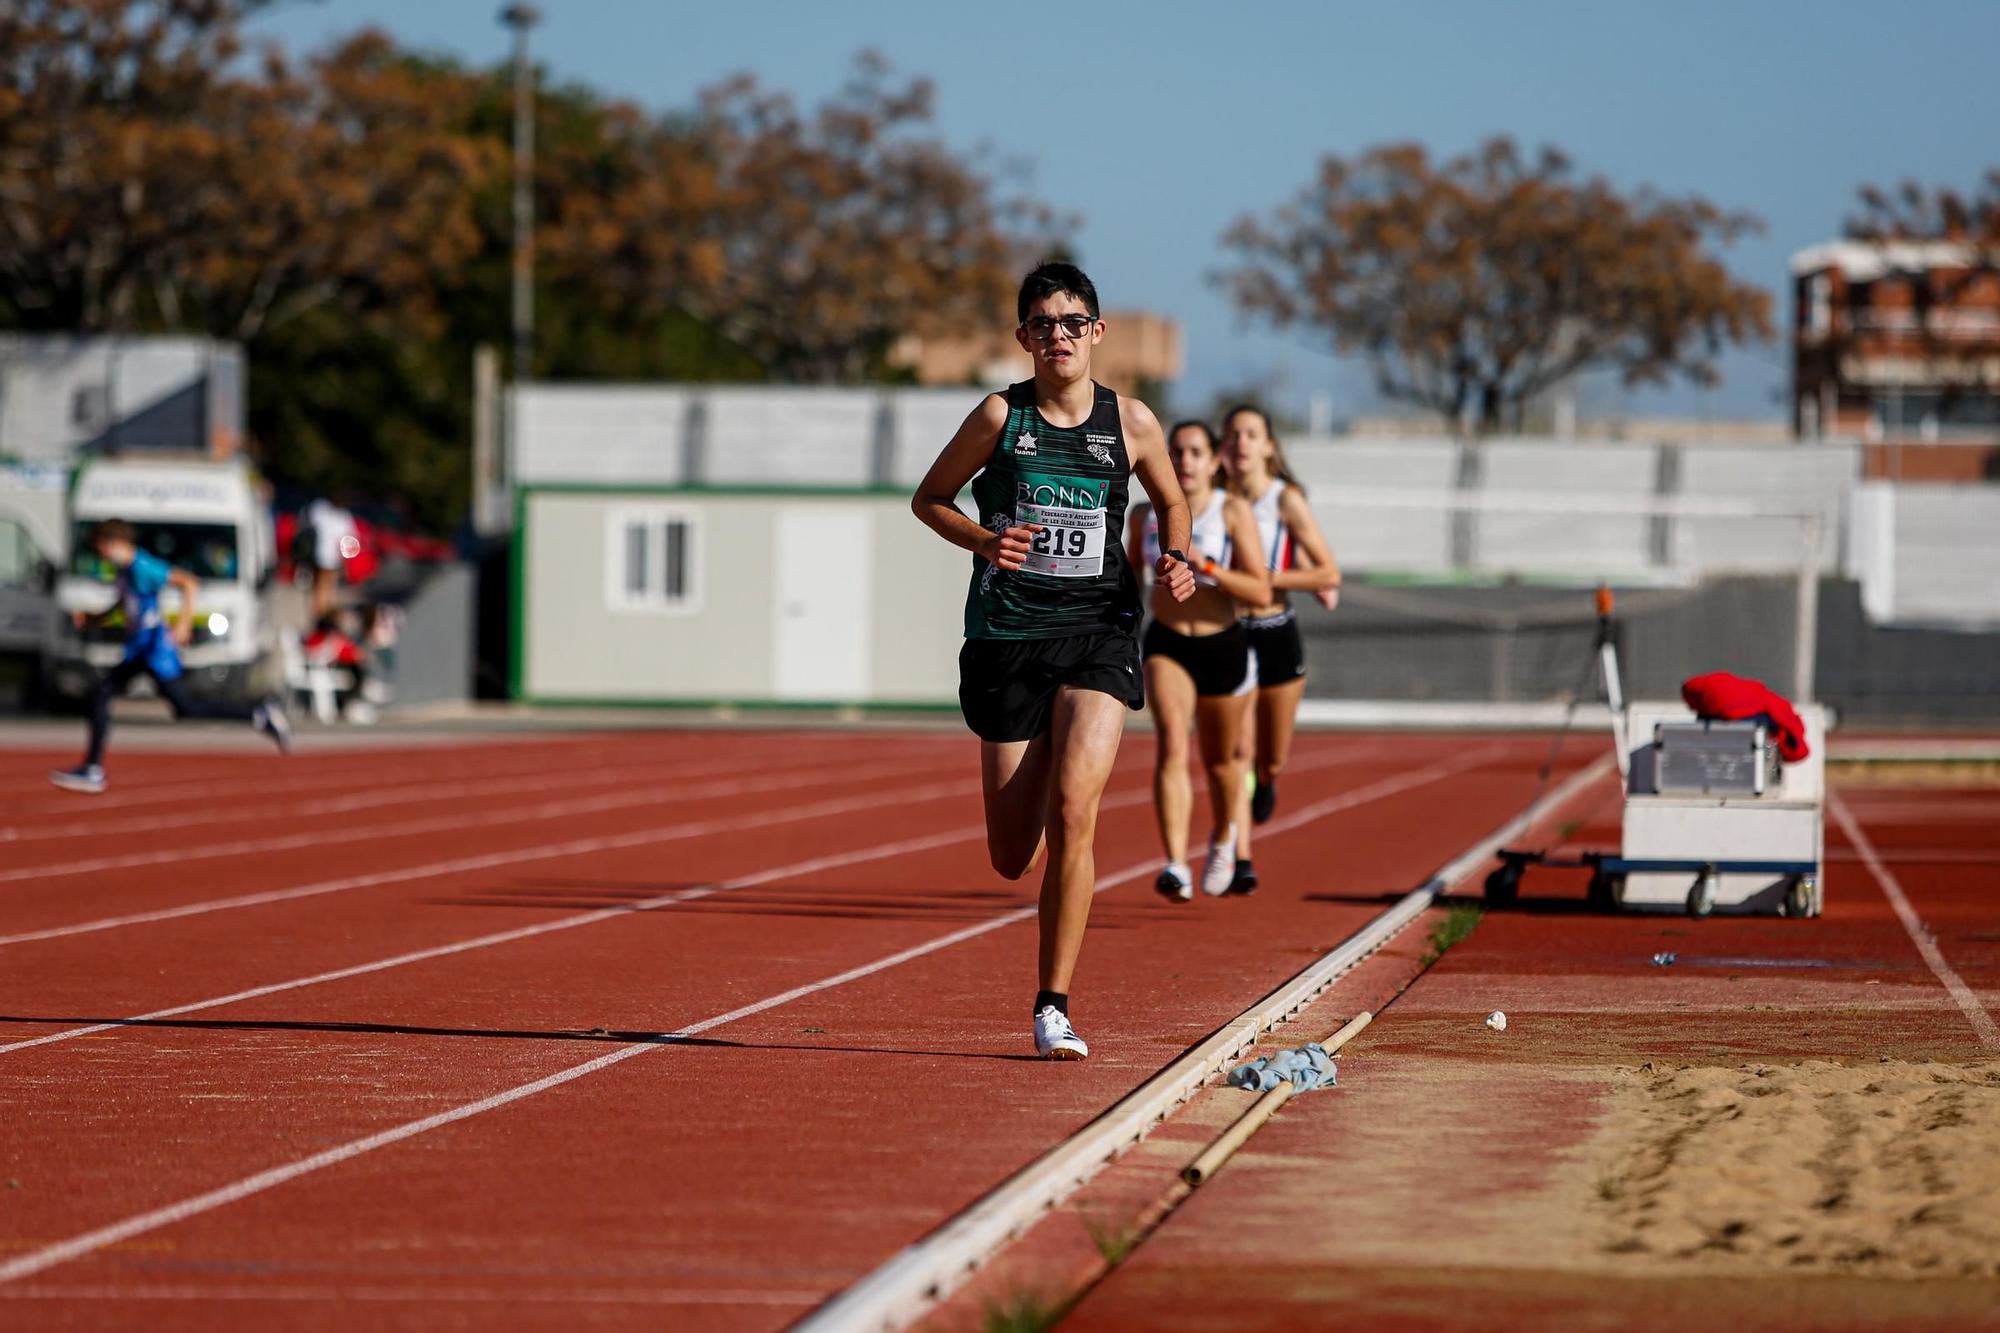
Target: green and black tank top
x=1073 y=482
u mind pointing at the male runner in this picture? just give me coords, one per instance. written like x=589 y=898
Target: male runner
x=152 y=648
x=1052 y=615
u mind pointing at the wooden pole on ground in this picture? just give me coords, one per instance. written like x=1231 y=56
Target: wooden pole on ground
x=1261 y=1110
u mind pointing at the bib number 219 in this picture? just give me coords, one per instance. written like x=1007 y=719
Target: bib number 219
x=1070 y=544
x=1062 y=541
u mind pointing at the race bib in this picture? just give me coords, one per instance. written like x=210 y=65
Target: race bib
x=1070 y=513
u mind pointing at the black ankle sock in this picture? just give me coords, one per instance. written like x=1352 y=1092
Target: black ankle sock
x=1060 y=1000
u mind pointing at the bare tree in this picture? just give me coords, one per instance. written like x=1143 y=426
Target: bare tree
x=1474 y=284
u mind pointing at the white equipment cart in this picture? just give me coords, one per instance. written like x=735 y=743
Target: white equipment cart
x=1713 y=822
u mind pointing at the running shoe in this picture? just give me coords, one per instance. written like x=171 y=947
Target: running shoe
x=1245 y=882
x=1221 y=867
x=270 y=719
x=1175 y=882
x=1263 y=801
x=88 y=778
x=1055 y=1039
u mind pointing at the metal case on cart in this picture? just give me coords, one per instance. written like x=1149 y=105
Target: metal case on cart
x=1740 y=851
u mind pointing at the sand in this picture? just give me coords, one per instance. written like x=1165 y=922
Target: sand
x=1887 y=1169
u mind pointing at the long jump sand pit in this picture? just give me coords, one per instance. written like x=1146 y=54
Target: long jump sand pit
x=1883 y=1169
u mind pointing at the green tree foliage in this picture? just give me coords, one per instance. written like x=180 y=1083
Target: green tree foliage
x=347 y=218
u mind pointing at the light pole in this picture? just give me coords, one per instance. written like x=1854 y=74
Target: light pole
x=522 y=17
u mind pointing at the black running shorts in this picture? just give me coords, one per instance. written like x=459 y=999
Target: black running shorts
x=1218 y=663
x=1281 y=653
x=1007 y=687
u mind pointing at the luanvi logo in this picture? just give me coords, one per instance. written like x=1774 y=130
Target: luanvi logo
x=1025 y=445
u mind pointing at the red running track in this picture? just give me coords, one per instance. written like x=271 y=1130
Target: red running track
x=678 y=1028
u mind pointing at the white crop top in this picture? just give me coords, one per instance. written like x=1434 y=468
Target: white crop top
x=1210 y=537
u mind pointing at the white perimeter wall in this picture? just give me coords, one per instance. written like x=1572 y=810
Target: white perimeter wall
x=1927 y=555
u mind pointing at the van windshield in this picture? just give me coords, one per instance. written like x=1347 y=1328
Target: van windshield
x=205 y=550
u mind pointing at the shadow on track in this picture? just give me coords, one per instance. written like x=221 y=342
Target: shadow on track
x=615 y=1037
x=870 y=903
x=1525 y=906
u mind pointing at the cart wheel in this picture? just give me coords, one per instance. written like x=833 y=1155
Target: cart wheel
x=1604 y=888
x=1701 y=898
x=1503 y=886
x=1796 y=898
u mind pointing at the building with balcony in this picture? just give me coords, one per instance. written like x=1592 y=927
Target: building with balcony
x=1897 y=344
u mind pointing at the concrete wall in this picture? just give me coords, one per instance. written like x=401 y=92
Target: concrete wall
x=434 y=653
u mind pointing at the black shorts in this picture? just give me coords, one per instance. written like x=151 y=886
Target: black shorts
x=1007 y=687
x=1281 y=653
x=1219 y=663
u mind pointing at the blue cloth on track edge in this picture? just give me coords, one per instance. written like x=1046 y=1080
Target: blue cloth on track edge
x=1307 y=1068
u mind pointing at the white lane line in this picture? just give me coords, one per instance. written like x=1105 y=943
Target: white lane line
x=811 y=865
x=489 y=860
x=482 y=862
x=1920 y=934
x=316 y=775
x=418 y=1295
x=320 y=772
x=89 y=1242
x=369 y=833
x=412 y=793
x=498 y=937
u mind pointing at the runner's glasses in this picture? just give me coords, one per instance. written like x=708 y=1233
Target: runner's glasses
x=1042 y=328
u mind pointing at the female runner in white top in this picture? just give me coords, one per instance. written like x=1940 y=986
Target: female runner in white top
x=1299 y=560
x=1197 y=664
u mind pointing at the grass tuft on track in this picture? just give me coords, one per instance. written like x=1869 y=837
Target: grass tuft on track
x=1458 y=923
x=1023 y=1312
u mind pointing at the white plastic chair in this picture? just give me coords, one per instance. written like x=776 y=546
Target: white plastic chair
x=315 y=679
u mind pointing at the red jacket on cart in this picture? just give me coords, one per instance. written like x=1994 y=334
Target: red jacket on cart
x=1732 y=698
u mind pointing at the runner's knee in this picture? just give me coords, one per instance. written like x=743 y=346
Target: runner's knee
x=1009 y=860
x=1075 y=817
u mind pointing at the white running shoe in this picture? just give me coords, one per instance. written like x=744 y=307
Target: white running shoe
x=1175 y=883
x=1055 y=1039
x=1220 y=872
x=269 y=718
x=86 y=778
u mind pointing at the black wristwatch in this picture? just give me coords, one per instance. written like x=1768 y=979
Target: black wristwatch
x=1178 y=555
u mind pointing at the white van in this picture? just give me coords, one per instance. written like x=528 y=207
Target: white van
x=207 y=518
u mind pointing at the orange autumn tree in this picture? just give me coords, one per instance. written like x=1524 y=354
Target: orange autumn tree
x=147 y=182
x=1473 y=284
x=346 y=216
x=833 y=233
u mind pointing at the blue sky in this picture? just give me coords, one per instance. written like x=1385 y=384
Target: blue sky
x=1160 y=122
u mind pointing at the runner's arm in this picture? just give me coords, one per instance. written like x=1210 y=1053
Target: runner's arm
x=1319 y=571
x=936 y=500
x=1146 y=446
x=188 y=585
x=1245 y=578
x=1135 y=535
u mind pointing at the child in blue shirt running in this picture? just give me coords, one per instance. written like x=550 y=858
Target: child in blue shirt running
x=152 y=647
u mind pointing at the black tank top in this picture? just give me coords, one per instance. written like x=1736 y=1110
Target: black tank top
x=1074 y=482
